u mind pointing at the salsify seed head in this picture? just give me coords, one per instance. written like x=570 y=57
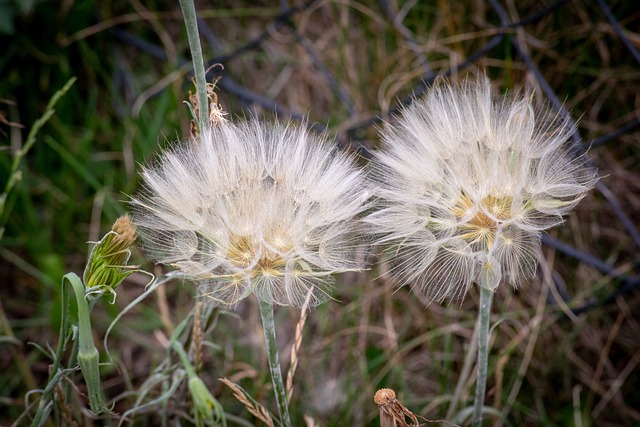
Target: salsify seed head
x=466 y=182
x=257 y=208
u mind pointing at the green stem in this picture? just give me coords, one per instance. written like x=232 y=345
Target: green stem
x=87 y=353
x=45 y=405
x=88 y=356
x=64 y=327
x=191 y=23
x=484 y=312
x=268 y=325
x=208 y=410
x=184 y=358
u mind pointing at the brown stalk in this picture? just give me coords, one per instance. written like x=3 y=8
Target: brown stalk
x=297 y=342
x=163 y=306
x=197 y=337
x=66 y=412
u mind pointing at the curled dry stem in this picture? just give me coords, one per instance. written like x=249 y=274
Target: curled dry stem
x=395 y=414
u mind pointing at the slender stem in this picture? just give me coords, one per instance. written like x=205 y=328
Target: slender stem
x=484 y=312
x=18 y=357
x=191 y=23
x=268 y=325
x=46 y=400
x=14 y=174
x=184 y=358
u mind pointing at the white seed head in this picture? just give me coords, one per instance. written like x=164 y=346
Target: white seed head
x=466 y=182
x=255 y=208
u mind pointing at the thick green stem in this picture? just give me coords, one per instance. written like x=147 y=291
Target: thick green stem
x=484 y=312
x=268 y=325
x=191 y=24
x=88 y=356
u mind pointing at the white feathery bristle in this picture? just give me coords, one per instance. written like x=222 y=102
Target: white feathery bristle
x=466 y=182
x=268 y=209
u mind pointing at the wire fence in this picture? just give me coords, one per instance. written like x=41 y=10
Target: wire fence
x=349 y=133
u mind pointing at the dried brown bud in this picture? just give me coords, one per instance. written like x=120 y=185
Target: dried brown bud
x=392 y=412
x=384 y=396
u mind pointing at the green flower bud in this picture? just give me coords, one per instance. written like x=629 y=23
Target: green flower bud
x=107 y=266
x=207 y=409
x=203 y=400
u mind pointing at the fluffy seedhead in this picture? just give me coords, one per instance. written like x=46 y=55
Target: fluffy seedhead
x=467 y=181
x=255 y=208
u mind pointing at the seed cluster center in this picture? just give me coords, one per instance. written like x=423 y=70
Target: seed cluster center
x=261 y=258
x=480 y=229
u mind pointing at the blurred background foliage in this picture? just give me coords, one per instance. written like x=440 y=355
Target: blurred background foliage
x=567 y=350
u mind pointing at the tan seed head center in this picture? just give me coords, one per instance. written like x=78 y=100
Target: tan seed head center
x=243 y=250
x=482 y=227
